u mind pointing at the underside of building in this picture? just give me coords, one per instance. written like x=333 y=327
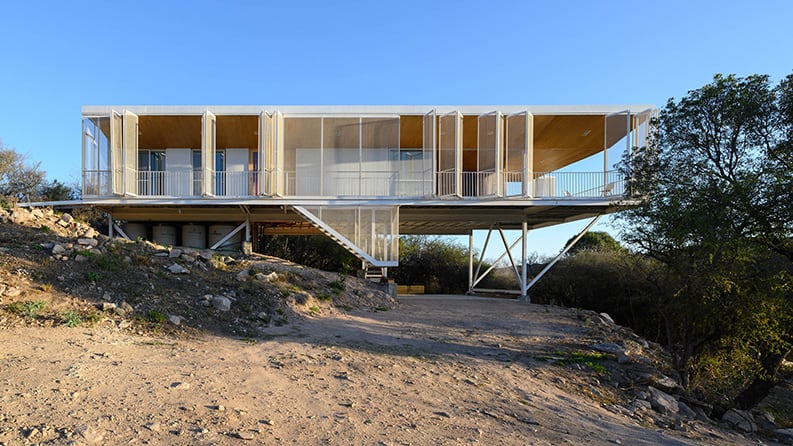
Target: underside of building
x=362 y=175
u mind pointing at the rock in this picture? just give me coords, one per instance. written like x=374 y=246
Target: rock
x=66 y=218
x=152 y=426
x=607 y=318
x=205 y=255
x=87 y=432
x=187 y=258
x=221 y=303
x=90 y=233
x=608 y=347
x=108 y=306
x=267 y=278
x=623 y=358
x=245 y=435
x=740 y=420
x=180 y=385
x=80 y=258
x=784 y=435
x=178 y=269
x=263 y=316
x=175 y=253
x=685 y=411
x=58 y=249
x=12 y=292
x=176 y=320
x=87 y=242
x=765 y=421
x=243 y=275
x=124 y=309
x=662 y=402
x=640 y=406
x=665 y=383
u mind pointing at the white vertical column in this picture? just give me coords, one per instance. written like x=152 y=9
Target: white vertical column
x=470 y=261
x=524 y=229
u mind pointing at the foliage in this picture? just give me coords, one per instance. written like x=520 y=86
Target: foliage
x=437 y=263
x=56 y=191
x=28 y=309
x=71 y=318
x=316 y=251
x=18 y=179
x=719 y=224
x=595 y=241
x=156 y=316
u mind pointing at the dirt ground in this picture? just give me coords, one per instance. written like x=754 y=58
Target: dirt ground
x=434 y=370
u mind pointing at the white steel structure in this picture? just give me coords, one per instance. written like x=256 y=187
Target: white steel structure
x=360 y=174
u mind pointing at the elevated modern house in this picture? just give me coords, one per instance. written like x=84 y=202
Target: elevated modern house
x=360 y=174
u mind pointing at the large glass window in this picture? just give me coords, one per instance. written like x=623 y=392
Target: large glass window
x=96 y=156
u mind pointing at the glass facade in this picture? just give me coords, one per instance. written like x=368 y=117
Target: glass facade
x=267 y=154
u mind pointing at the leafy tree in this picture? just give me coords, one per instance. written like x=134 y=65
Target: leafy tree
x=435 y=262
x=595 y=241
x=18 y=179
x=56 y=191
x=719 y=220
x=316 y=251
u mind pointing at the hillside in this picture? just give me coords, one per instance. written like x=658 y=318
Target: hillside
x=113 y=342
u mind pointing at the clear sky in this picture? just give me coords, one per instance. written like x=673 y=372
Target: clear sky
x=57 y=56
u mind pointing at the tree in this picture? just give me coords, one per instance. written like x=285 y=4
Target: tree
x=435 y=262
x=18 y=180
x=719 y=220
x=56 y=191
x=595 y=241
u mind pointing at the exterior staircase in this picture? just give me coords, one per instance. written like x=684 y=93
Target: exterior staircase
x=334 y=235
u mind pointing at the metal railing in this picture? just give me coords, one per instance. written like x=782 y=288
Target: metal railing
x=239 y=184
x=96 y=183
x=380 y=183
x=577 y=185
x=365 y=183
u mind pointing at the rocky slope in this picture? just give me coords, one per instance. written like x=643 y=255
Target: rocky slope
x=324 y=332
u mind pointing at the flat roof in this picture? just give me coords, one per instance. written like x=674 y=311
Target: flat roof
x=367 y=109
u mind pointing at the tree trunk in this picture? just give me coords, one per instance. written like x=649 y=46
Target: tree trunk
x=763 y=382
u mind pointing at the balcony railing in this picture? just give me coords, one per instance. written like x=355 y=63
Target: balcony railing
x=96 y=183
x=366 y=183
x=239 y=184
x=341 y=183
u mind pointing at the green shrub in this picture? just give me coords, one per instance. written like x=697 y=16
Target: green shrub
x=28 y=309
x=71 y=318
x=156 y=316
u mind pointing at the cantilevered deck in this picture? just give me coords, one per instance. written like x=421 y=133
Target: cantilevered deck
x=360 y=174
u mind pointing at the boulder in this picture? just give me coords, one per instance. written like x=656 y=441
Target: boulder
x=243 y=275
x=267 y=278
x=663 y=402
x=176 y=320
x=58 y=249
x=665 y=383
x=175 y=253
x=740 y=420
x=178 y=269
x=221 y=303
x=124 y=309
x=66 y=217
x=88 y=242
x=685 y=411
x=784 y=435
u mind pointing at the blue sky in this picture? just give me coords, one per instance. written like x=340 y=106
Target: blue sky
x=58 y=56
